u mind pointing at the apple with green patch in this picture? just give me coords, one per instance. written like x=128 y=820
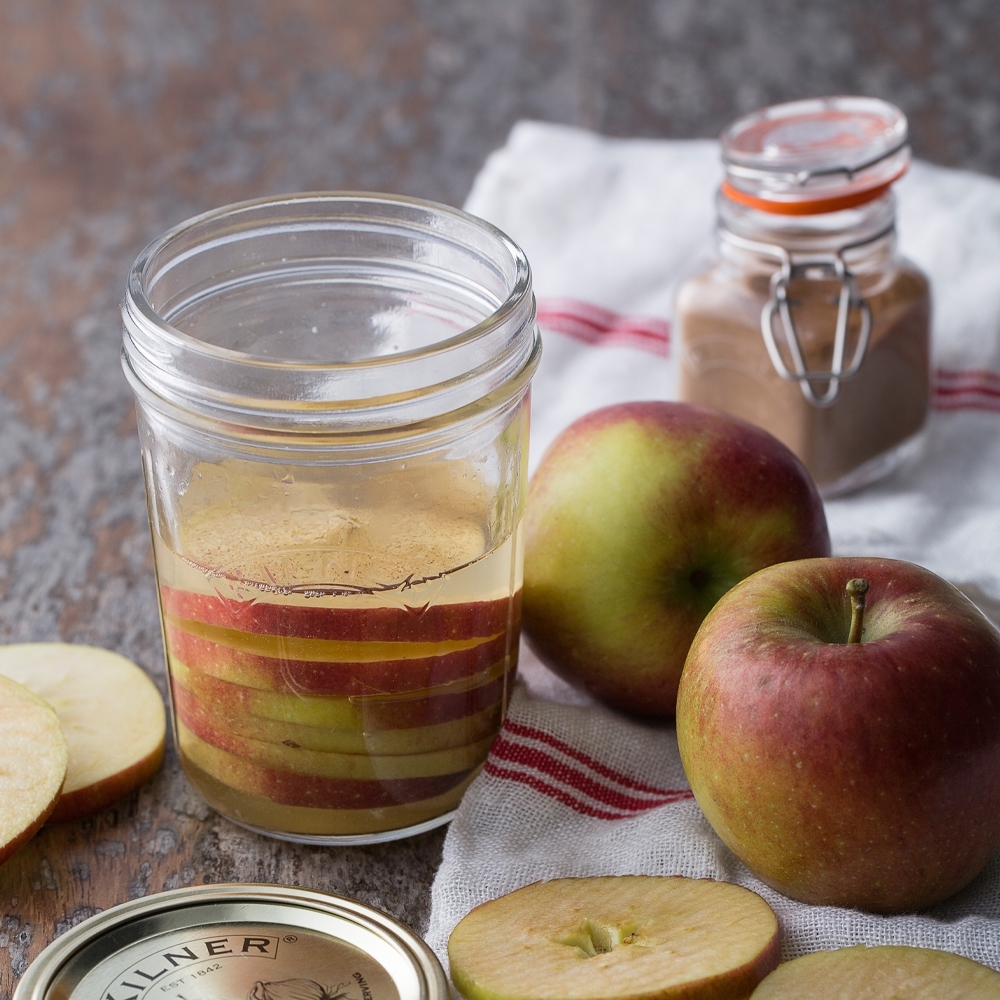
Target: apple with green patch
x=639 y=518
x=839 y=723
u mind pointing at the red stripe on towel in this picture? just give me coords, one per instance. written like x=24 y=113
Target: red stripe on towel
x=603 y=327
x=541 y=762
x=529 y=732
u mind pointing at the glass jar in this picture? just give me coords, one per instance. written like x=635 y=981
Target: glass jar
x=809 y=324
x=332 y=395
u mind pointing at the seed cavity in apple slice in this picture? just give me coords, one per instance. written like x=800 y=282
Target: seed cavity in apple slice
x=887 y=972
x=33 y=762
x=110 y=711
x=631 y=937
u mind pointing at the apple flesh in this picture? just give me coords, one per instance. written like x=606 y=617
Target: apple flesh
x=292 y=788
x=318 y=667
x=411 y=709
x=639 y=518
x=110 y=711
x=195 y=711
x=883 y=973
x=428 y=623
x=357 y=766
x=33 y=761
x=631 y=937
x=864 y=774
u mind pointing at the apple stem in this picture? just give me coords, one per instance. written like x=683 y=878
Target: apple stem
x=856 y=590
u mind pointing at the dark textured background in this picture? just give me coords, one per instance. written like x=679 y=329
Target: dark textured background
x=119 y=118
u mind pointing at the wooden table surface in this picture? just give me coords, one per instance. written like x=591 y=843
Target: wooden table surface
x=119 y=118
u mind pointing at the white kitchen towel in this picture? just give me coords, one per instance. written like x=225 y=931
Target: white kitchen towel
x=611 y=228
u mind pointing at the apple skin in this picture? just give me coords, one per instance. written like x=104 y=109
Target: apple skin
x=863 y=775
x=316 y=792
x=406 y=711
x=639 y=518
x=194 y=711
x=428 y=623
x=87 y=801
x=236 y=661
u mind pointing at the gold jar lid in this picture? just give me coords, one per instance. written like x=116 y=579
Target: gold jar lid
x=237 y=942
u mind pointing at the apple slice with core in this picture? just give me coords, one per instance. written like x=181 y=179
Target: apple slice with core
x=110 y=711
x=888 y=972
x=631 y=937
x=33 y=762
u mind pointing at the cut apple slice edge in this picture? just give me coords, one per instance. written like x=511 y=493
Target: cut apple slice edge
x=33 y=760
x=111 y=713
x=633 y=937
x=878 y=973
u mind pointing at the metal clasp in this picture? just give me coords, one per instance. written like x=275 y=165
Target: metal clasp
x=831 y=265
x=847 y=300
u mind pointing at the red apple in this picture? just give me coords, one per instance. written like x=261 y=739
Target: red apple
x=863 y=774
x=640 y=517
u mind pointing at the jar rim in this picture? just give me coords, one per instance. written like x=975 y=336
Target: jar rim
x=136 y=296
x=370 y=390
x=816 y=155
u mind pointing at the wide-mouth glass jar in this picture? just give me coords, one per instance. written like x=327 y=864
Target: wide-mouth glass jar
x=809 y=323
x=332 y=395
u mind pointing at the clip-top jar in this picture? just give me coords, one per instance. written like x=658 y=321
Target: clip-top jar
x=809 y=324
x=332 y=396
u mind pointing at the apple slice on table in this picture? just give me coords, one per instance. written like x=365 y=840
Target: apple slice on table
x=888 y=972
x=110 y=711
x=417 y=739
x=33 y=762
x=631 y=937
x=316 y=791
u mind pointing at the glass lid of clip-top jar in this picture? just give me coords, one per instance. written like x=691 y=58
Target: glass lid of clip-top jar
x=809 y=323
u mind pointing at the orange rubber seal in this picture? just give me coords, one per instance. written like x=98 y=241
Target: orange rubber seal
x=812 y=206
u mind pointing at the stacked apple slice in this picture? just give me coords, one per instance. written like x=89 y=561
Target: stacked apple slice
x=80 y=727
x=337 y=708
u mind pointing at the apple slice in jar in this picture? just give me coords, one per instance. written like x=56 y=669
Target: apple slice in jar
x=195 y=712
x=33 y=761
x=631 y=937
x=292 y=788
x=883 y=973
x=110 y=711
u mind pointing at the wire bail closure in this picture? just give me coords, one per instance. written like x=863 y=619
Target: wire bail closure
x=831 y=265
